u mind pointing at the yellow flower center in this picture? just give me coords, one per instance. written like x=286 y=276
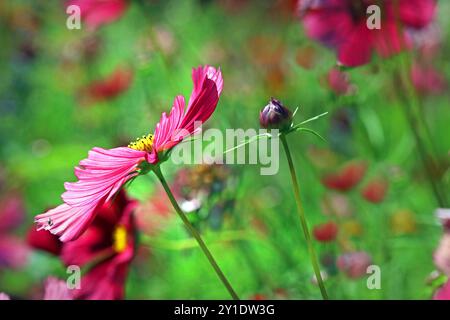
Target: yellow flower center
x=120 y=239
x=142 y=144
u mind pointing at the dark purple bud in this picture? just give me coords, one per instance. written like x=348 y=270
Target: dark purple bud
x=275 y=116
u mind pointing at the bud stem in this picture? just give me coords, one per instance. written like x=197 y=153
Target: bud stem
x=301 y=213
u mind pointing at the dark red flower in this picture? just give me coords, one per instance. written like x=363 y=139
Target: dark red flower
x=44 y=240
x=106 y=249
x=109 y=87
x=346 y=178
x=375 y=190
x=342 y=25
x=325 y=232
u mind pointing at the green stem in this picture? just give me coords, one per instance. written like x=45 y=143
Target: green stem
x=195 y=234
x=301 y=213
x=422 y=134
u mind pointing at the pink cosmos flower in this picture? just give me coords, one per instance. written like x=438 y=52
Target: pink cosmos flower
x=342 y=25
x=104 y=172
x=98 y=12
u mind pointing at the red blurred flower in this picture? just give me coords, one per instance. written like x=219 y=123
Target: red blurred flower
x=346 y=178
x=325 y=232
x=109 y=87
x=342 y=25
x=98 y=12
x=354 y=264
x=375 y=190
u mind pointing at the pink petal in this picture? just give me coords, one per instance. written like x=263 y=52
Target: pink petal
x=100 y=176
x=172 y=129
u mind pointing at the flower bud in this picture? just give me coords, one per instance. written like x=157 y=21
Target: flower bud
x=275 y=116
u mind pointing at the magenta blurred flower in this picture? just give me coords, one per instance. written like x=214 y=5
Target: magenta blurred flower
x=56 y=289
x=98 y=12
x=443 y=293
x=341 y=24
x=4 y=296
x=442 y=254
x=354 y=264
x=13 y=251
x=339 y=82
x=104 y=172
x=427 y=80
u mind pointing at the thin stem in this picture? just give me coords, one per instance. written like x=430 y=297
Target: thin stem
x=301 y=213
x=195 y=234
x=422 y=135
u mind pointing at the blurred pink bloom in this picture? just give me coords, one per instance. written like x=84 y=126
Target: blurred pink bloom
x=442 y=254
x=4 y=296
x=427 y=80
x=98 y=12
x=56 y=289
x=104 y=172
x=341 y=24
x=354 y=264
x=339 y=82
x=13 y=251
x=443 y=293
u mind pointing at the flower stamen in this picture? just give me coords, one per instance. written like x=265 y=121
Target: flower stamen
x=119 y=239
x=142 y=144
